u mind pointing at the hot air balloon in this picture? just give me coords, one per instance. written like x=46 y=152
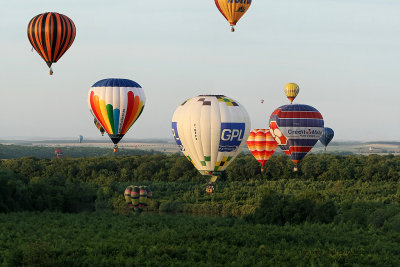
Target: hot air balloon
x=262 y=101
x=51 y=34
x=296 y=128
x=262 y=145
x=327 y=135
x=80 y=138
x=291 y=91
x=98 y=125
x=116 y=104
x=59 y=153
x=233 y=10
x=210 y=130
x=137 y=197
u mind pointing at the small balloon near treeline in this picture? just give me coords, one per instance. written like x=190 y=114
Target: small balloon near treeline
x=326 y=137
x=137 y=198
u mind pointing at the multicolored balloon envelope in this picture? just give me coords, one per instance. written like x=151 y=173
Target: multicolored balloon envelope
x=116 y=104
x=291 y=91
x=262 y=145
x=327 y=136
x=233 y=10
x=137 y=197
x=211 y=131
x=296 y=128
x=51 y=34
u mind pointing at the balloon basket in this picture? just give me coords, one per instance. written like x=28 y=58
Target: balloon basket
x=210 y=188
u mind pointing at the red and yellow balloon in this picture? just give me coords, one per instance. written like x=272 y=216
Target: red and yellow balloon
x=233 y=10
x=291 y=91
x=262 y=145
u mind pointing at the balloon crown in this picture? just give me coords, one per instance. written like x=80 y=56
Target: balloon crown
x=213 y=95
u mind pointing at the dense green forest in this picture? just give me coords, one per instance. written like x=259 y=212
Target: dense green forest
x=337 y=209
x=103 y=239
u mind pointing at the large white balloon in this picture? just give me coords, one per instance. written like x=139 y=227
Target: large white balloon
x=210 y=130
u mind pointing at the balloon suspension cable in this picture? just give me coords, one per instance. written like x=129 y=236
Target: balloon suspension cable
x=213 y=179
x=51 y=71
x=232 y=29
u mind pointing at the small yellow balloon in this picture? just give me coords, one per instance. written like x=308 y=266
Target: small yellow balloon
x=291 y=90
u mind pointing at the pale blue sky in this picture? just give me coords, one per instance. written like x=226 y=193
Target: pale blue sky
x=345 y=55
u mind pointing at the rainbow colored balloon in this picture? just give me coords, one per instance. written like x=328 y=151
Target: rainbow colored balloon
x=262 y=145
x=116 y=104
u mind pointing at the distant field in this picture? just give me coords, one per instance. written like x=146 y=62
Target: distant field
x=162 y=146
x=363 y=148
x=169 y=146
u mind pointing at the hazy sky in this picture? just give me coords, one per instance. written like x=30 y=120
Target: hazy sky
x=344 y=54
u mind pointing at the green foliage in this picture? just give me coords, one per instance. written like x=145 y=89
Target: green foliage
x=103 y=239
x=337 y=210
x=44 y=193
x=171 y=207
x=174 y=167
x=280 y=209
x=321 y=189
x=393 y=224
x=39 y=253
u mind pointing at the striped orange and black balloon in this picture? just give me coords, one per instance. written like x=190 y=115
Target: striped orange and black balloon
x=51 y=34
